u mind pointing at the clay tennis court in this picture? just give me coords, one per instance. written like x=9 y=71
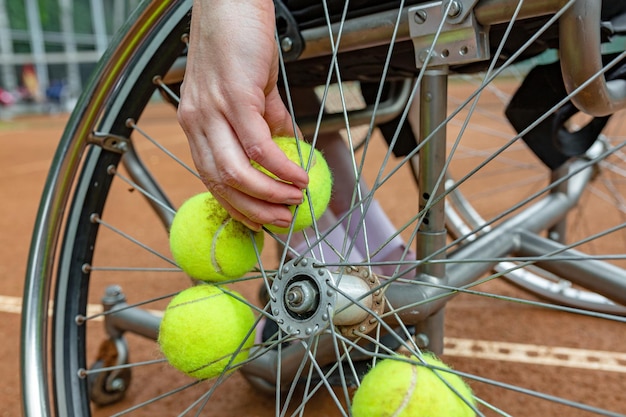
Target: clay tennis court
x=481 y=338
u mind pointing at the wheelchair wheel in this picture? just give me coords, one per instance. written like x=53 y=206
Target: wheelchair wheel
x=481 y=199
x=100 y=267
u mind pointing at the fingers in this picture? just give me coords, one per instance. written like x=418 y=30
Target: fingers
x=249 y=195
x=280 y=215
x=278 y=118
x=273 y=159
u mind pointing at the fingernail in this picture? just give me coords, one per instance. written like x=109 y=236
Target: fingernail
x=255 y=227
x=281 y=223
x=304 y=184
x=295 y=201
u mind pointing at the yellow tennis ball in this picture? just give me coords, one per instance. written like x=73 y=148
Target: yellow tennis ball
x=400 y=389
x=206 y=329
x=320 y=182
x=210 y=245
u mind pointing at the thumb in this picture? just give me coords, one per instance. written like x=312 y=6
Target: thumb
x=278 y=118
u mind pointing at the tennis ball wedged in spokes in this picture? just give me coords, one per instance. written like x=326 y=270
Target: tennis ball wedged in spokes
x=210 y=245
x=320 y=182
x=398 y=388
x=204 y=329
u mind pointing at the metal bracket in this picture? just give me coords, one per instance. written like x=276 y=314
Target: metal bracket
x=462 y=39
x=109 y=142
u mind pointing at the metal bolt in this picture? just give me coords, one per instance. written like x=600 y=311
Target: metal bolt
x=420 y=16
x=301 y=297
x=286 y=44
x=118 y=384
x=454 y=8
x=122 y=146
x=422 y=340
x=113 y=291
x=423 y=55
x=295 y=296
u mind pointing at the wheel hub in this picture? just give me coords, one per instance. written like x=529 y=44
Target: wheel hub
x=308 y=298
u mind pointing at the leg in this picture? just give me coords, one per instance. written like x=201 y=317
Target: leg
x=378 y=226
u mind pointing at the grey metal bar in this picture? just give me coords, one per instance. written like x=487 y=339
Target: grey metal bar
x=581 y=60
x=598 y=276
x=135 y=320
x=432 y=157
x=431 y=236
x=359 y=33
x=492 y=12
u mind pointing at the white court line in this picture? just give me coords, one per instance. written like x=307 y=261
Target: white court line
x=14 y=305
x=599 y=360
x=479 y=349
x=10 y=304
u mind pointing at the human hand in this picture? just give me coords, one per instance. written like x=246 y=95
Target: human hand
x=230 y=108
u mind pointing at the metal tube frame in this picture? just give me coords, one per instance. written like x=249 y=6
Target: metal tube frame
x=432 y=234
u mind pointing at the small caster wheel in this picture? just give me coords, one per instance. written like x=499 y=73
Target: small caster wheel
x=109 y=386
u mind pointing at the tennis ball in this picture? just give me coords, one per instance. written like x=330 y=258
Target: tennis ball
x=202 y=329
x=210 y=245
x=320 y=182
x=401 y=389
